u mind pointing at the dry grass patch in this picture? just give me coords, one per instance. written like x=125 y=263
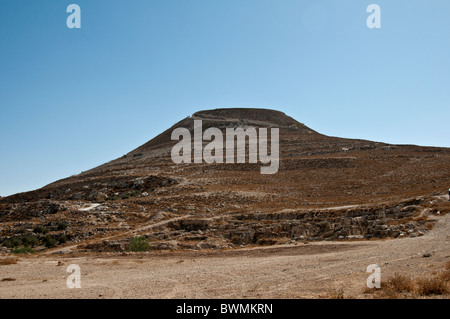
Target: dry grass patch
x=400 y=283
x=396 y=287
x=427 y=286
x=334 y=294
x=403 y=286
x=8 y=261
x=446 y=276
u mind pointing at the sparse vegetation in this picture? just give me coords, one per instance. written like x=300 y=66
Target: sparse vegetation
x=62 y=239
x=447 y=265
x=26 y=243
x=336 y=294
x=62 y=226
x=49 y=241
x=324 y=225
x=403 y=286
x=445 y=275
x=30 y=240
x=138 y=244
x=21 y=245
x=431 y=286
x=40 y=230
x=130 y=194
x=299 y=124
x=23 y=250
x=12 y=242
x=400 y=283
x=8 y=261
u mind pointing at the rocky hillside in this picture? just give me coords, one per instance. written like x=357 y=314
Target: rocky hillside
x=327 y=188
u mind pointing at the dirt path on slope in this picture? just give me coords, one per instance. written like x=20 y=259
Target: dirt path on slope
x=128 y=233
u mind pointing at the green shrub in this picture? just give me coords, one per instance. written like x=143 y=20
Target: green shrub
x=62 y=226
x=30 y=241
x=23 y=250
x=49 y=241
x=130 y=194
x=62 y=239
x=138 y=244
x=13 y=242
x=40 y=230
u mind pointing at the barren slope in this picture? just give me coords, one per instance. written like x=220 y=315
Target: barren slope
x=327 y=188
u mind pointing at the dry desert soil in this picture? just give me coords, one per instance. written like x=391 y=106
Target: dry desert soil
x=312 y=270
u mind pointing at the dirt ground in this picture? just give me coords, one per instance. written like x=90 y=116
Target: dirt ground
x=313 y=270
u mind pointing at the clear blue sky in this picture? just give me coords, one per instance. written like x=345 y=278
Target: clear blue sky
x=73 y=99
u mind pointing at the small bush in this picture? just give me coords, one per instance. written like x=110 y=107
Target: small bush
x=138 y=244
x=446 y=275
x=324 y=225
x=400 y=283
x=431 y=286
x=8 y=261
x=40 y=230
x=62 y=225
x=337 y=294
x=13 y=242
x=130 y=194
x=30 y=240
x=447 y=265
x=62 y=239
x=49 y=241
x=23 y=250
x=401 y=286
